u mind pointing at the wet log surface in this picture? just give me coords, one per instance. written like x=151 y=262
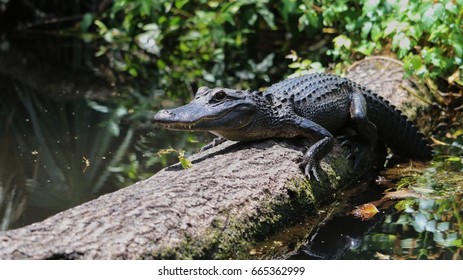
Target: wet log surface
x=234 y=195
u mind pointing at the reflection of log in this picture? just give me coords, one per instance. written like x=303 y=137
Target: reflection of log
x=233 y=195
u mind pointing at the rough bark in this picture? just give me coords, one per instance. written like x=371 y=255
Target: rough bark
x=233 y=195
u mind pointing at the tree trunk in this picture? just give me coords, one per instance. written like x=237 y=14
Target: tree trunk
x=233 y=195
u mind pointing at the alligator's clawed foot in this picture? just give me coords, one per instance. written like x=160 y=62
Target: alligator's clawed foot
x=310 y=168
x=357 y=151
x=217 y=141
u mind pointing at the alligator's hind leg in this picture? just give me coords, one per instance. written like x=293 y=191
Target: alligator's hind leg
x=363 y=127
x=311 y=160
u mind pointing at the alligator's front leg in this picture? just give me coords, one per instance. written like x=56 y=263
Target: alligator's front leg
x=215 y=142
x=325 y=142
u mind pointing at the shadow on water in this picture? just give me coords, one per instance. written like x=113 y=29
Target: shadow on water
x=333 y=238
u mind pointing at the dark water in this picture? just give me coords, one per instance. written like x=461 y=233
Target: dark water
x=54 y=154
x=425 y=229
x=65 y=136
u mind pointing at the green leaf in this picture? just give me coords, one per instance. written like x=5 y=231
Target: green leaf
x=294 y=65
x=451 y=7
x=456 y=41
x=180 y=3
x=414 y=65
x=438 y=32
x=366 y=29
x=120 y=112
x=265 y=64
x=342 y=41
x=416 y=32
x=289 y=7
x=432 y=14
x=101 y=26
x=86 y=22
x=370 y=6
x=98 y=107
x=101 y=51
x=416 y=62
x=183 y=160
x=376 y=33
x=405 y=44
x=114 y=128
x=268 y=16
x=185 y=163
x=133 y=72
x=457 y=133
x=454 y=159
x=366 y=48
x=390 y=27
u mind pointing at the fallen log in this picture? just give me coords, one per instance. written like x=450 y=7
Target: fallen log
x=233 y=195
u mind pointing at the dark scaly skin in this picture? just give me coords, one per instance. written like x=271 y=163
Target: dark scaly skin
x=312 y=106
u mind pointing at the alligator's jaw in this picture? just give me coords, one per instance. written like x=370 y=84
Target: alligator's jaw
x=170 y=120
x=177 y=126
x=180 y=125
x=194 y=117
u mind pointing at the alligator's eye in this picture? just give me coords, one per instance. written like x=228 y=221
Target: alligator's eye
x=219 y=96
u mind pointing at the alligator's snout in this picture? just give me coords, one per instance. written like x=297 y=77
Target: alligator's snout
x=163 y=116
x=172 y=120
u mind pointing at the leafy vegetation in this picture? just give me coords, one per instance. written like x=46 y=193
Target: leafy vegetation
x=222 y=42
x=173 y=47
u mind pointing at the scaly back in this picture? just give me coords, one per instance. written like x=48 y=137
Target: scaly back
x=325 y=99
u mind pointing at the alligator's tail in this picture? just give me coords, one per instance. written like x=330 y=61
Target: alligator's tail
x=395 y=130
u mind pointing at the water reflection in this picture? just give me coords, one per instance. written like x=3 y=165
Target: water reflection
x=425 y=229
x=54 y=154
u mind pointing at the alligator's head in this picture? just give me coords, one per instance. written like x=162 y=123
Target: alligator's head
x=224 y=112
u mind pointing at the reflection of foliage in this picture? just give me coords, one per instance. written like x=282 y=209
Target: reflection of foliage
x=451 y=150
x=426 y=229
x=12 y=173
x=13 y=201
x=428 y=225
x=442 y=178
x=51 y=140
x=12 y=189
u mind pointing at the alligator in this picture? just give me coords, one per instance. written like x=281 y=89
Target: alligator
x=314 y=106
